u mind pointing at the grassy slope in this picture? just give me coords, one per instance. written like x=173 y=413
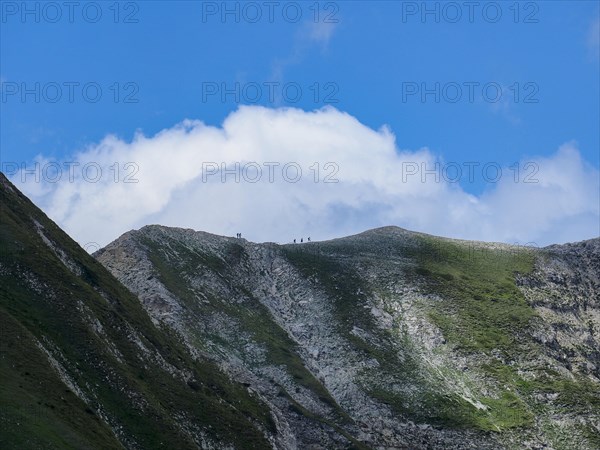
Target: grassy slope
x=38 y=410
x=349 y=294
x=485 y=312
x=483 y=308
x=482 y=312
x=209 y=399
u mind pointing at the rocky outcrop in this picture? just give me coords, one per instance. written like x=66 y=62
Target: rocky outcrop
x=564 y=289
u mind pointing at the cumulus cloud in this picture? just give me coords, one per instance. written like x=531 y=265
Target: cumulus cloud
x=290 y=173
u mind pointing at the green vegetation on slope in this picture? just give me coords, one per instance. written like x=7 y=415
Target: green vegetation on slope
x=482 y=308
x=36 y=409
x=482 y=311
x=79 y=316
x=464 y=285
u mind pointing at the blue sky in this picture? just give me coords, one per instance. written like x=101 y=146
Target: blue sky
x=363 y=58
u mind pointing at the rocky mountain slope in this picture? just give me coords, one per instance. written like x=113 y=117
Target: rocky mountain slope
x=389 y=339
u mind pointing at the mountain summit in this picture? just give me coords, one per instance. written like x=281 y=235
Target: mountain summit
x=174 y=338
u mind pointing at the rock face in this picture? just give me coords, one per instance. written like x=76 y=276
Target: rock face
x=565 y=291
x=388 y=339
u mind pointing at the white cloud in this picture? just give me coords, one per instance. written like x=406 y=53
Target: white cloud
x=375 y=187
x=320 y=32
x=307 y=36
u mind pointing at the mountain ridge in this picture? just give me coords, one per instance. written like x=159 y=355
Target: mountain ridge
x=271 y=254
x=383 y=230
